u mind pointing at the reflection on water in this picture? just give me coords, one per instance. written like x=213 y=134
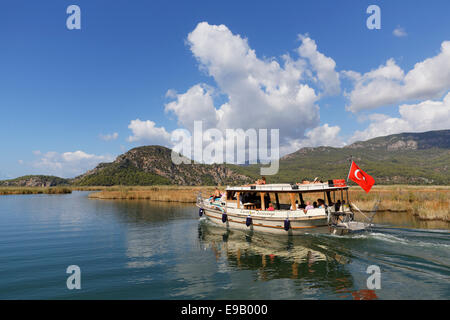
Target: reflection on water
x=311 y=262
x=155 y=250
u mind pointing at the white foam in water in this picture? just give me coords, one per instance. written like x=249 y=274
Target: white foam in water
x=387 y=237
x=394 y=239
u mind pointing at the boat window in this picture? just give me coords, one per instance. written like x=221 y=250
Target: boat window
x=280 y=201
x=231 y=195
x=250 y=200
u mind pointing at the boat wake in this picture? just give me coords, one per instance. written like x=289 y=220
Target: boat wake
x=408 y=237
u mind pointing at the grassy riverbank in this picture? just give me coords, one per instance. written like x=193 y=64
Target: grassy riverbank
x=157 y=193
x=34 y=190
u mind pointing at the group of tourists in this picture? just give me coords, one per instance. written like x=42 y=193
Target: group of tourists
x=305 y=206
x=306 y=181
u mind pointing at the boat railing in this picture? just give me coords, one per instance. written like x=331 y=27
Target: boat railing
x=369 y=217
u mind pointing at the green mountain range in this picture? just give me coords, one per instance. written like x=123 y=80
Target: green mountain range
x=406 y=158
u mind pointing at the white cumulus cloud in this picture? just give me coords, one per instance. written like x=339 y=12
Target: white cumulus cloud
x=146 y=131
x=322 y=65
x=324 y=135
x=195 y=104
x=261 y=93
x=254 y=92
x=388 y=84
x=424 y=116
x=68 y=164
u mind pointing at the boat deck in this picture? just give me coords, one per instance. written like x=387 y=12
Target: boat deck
x=285 y=187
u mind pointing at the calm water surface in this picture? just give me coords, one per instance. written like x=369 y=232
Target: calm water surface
x=150 y=250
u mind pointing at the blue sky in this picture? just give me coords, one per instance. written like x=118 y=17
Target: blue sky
x=61 y=89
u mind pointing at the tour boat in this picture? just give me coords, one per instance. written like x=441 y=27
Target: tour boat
x=280 y=209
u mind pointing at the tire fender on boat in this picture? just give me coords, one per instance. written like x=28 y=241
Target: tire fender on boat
x=224 y=217
x=287 y=224
x=200 y=212
x=248 y=221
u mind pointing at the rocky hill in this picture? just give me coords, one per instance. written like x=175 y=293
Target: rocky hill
x=151 y=165
x=407 y=141
x=35 y=181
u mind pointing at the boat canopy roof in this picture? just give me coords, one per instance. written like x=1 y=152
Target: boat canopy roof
x=286 y=187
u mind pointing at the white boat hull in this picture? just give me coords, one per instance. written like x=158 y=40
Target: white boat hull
x=298 y=225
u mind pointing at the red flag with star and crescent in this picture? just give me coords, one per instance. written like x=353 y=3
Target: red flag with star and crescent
x=364 y=180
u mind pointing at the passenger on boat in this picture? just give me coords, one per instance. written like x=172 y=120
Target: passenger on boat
x=306 y=181
x=308 y=206
x=321 y=203
x=302 y=205
x=261 y=181
x=217 y=194
x=337 y=205
x=315 y=204
x=296 y=206
x=270 y=208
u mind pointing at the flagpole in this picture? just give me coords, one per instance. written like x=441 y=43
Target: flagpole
x=351 y=162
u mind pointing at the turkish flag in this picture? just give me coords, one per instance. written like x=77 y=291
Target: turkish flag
x=364 y=180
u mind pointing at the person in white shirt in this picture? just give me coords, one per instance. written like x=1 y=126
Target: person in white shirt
x=297 y=206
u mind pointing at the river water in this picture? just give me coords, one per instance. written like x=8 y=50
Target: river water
x=153 y=250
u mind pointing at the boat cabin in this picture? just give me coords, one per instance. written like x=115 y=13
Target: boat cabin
x=284 y=196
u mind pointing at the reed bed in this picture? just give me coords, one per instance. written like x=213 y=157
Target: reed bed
x=155 y=193
x=34 y=190
x=427 y=203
